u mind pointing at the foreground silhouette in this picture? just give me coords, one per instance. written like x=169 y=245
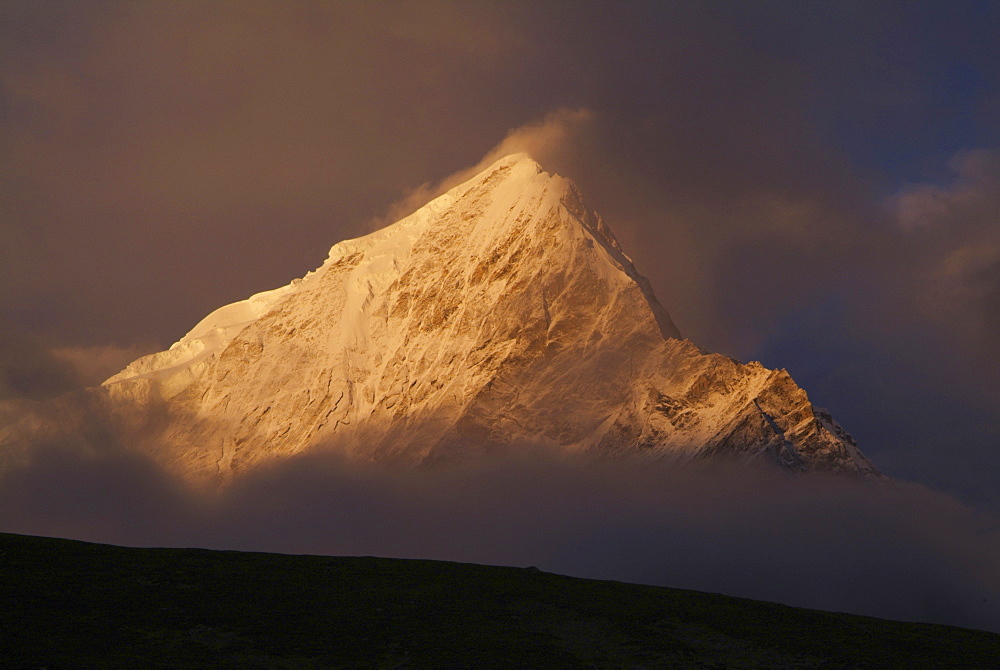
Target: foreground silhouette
x=75 y=604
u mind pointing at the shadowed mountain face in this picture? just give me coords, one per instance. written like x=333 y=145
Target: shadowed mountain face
x=502 y=312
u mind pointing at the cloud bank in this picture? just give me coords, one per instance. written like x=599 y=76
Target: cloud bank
x=896 y=551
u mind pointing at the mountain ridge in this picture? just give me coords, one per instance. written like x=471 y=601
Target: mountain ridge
x=78 y=604
x=505 y=310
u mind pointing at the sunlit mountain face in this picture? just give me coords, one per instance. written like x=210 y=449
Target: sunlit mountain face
x=503 y=312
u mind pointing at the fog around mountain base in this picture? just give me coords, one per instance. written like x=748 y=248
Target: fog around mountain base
x=891 y=550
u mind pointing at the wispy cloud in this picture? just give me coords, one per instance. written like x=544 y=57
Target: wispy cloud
x=546 y=141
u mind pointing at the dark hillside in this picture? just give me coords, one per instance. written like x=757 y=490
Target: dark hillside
x=67 y=604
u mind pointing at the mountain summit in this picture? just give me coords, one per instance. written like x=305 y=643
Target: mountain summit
x=503 y=311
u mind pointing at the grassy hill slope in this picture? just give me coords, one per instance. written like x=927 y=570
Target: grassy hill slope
x=67 y=604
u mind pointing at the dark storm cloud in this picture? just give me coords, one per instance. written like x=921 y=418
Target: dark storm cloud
x=171 y=158
x=168 y=157
x=892 y=551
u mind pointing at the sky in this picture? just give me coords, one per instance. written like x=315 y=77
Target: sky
x=812 y=185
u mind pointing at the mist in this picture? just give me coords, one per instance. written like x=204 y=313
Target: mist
x=892 y=550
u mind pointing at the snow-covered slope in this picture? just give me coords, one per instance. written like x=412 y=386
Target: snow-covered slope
x=503 y=311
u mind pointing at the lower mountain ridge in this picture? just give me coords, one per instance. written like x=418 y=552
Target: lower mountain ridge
x=502 y=312
x=74 y=604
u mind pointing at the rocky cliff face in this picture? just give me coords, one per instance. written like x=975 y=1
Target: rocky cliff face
x=503 y=311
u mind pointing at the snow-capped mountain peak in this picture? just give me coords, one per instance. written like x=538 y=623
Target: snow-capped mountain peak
x=503 y=311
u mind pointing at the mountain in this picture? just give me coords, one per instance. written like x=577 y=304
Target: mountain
x=502 y=312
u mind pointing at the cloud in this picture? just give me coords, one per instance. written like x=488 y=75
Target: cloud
x=92 y=365
x=896 y=551
x=238 y=144
x=954 y=229
x=29 y=370
x=33 y=368
x=547 y=141
x=971 y=195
